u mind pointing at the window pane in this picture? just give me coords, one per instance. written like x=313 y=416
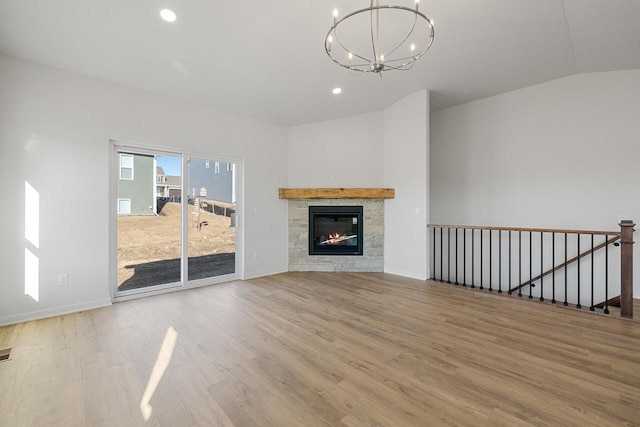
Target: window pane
x=126 y=173
x=126 y=160
x=211 y=233
x=124 y=206
x=150 y=236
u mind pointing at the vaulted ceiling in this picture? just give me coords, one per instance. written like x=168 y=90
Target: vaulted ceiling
x=266 y=59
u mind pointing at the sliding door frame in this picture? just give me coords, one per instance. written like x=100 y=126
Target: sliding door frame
x=116 y=146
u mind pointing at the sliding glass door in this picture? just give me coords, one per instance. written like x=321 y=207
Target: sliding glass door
x=174 y=218
x=149 y=220
x=212 y=211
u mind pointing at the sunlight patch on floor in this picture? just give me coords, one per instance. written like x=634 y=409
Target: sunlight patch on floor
x=162 y=362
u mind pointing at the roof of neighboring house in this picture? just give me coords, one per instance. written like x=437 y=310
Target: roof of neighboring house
x=159 y=170
x=174 y=180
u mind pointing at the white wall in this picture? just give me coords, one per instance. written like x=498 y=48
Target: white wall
x=55 y=128
x=406 y=168
x=382 y=149
x=563 y=154
x=344 y=152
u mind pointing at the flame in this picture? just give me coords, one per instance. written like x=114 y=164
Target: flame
x=335 y=238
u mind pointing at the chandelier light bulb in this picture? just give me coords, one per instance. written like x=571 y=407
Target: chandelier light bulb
x=413 y=47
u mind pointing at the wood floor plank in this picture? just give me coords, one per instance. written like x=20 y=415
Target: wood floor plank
x=193 y=385
x=324 y=349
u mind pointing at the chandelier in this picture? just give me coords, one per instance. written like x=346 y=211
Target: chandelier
x=379 y=38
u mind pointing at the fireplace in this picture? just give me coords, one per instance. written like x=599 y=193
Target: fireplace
x=335 y=230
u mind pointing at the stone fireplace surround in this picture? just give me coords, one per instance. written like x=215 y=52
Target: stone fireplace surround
x=372 y=201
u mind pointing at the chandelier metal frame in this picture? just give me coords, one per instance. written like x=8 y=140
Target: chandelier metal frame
x=378 y=61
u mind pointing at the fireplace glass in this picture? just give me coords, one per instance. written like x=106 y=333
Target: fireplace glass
x=335 y=230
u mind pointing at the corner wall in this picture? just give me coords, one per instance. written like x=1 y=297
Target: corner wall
x=406 y=168
x=383 y=149
x=344 y=152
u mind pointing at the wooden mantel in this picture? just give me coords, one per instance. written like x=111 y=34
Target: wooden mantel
x=336 y=193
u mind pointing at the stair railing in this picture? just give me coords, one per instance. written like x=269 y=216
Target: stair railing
x=569 y=266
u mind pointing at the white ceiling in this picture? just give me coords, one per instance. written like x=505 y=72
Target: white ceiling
x=266 y=59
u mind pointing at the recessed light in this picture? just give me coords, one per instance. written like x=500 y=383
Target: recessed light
x=336 y=90
x=168 y=15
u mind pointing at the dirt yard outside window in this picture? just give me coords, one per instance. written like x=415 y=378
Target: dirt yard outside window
x=149 y=247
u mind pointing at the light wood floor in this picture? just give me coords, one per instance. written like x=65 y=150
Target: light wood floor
x=323 y=349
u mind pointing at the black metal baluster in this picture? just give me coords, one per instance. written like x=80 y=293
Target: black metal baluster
x=473 y=247
x=456 y=251
x=541 y=266
x=520 y=263
x=448 y=254
x=441 y=270
x=606 y=275
x=530 y=264
x=565 y=270
x=578 y=261
x=553 y=266
x=464 y=257
x=481 y=262
x=434 y=253
x=510 y=291
x=591 y=307
x=490 y=263
x=499 y=261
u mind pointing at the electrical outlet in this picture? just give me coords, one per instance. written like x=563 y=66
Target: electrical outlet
x=63 y=279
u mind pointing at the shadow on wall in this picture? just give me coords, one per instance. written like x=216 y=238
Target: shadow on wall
x=168 y=271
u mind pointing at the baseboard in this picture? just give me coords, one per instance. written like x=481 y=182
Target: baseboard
x=285 y=270
x=256 y=274
x=407 y=274
x=52 y=312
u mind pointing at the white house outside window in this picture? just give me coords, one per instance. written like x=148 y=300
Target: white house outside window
x=126 y=166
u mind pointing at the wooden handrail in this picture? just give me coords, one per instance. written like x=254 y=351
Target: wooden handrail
x=564 y=264
x=534 y=230
x=611 y=302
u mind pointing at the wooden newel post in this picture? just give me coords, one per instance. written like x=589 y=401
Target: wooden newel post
x=626 y=268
